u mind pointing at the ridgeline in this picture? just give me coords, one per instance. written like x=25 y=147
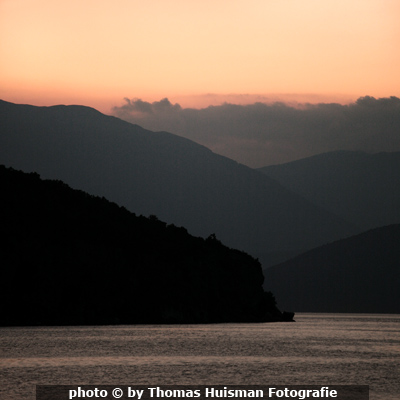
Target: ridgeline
x=359 y=274
x=69 y=258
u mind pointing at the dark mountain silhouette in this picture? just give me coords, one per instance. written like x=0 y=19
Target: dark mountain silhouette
x=159 y=173
x=357 y=274
x=71 y=258
x=361 y=188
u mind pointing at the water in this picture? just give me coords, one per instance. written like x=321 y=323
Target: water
x=321 y=349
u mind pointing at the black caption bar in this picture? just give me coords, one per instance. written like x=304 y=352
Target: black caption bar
x=215 y=392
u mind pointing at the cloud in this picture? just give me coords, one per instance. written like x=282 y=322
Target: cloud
x=262 y=134
x=140 y=107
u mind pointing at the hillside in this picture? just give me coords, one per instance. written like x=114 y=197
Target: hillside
x=359 y=187
x=357 y=274
x=71 y=258
x=159 y=173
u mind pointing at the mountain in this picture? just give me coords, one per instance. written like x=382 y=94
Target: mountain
x=68 y=258
x=357 y=274
x=159 y=173
x=359 y=187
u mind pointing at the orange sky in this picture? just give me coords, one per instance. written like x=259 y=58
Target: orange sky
x=95 y=52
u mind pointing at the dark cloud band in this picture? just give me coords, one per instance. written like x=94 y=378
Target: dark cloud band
x=261 y=134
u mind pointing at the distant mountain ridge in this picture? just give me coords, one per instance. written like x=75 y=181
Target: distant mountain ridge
x=362 y=188
x=159 y=173
x=360 y=274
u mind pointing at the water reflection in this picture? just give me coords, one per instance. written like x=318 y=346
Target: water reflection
x=319 y=349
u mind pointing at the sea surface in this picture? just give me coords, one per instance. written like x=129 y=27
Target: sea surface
x=317 y=349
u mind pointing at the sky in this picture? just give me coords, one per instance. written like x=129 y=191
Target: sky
x=198 y=54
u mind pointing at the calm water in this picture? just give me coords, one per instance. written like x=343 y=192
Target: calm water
x=321 y=349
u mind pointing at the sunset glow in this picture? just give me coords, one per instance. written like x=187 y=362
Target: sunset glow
x=96 y=52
